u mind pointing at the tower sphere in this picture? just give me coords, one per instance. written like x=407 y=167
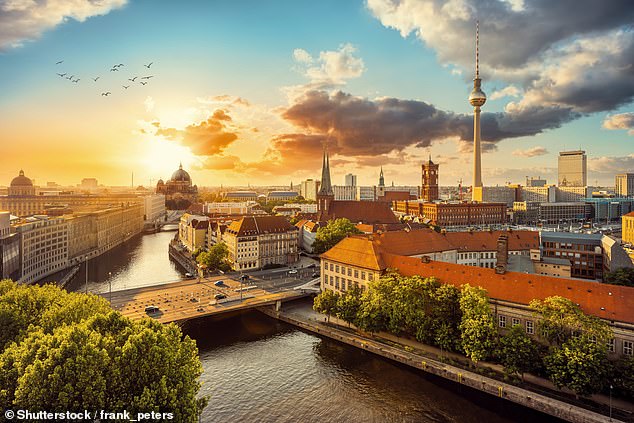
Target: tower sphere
x=477 y=98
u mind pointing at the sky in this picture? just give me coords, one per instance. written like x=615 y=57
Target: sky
x=246 y=92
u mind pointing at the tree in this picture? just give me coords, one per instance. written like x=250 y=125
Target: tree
x=348 y=305
x=326 y=303
x=329 y=235
x=477 y=328
x=622 y=377
x=623 y=276
x=215 y=258
x=77 y=354
x=579 y=364
x=559 y=320
x=517 y=352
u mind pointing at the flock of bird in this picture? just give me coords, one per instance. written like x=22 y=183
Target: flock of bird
x=142 y=80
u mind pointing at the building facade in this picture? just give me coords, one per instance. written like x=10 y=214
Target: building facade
x=454 y=214
x=344 y=192
x=308 y=189
x=572 y=169
x=192 y=231
x=43 y=247
x=255 y=242
x=627 y=228
x=624 y=184
x=351 y=180
x=154 y=208
x=357 y=261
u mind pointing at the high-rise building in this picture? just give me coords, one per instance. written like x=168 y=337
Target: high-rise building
x=477 y=98
x=308 y=189
x=573 y=169
x=624 y=184
x=351 y=180
x=429 y=185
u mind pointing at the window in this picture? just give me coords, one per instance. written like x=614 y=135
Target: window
x=370 y=276
x=530 y=329
x=628 y=346
x=502 y=321
x=611 y=345
x=515 y=321
x=363 y=275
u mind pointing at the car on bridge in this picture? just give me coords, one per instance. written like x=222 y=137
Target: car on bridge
x=220 y=296
x=292 y=272
x=219 y=283
x=149 y=310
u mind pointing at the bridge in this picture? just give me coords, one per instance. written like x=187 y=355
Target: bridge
x=190 y=299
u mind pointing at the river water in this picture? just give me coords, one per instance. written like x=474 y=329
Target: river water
x=257 y=369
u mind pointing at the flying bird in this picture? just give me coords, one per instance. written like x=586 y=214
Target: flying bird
x=117 y=66
x=70 y=78
x=62 y=74
x=126 y=86
x=76 y=80
x=132 y=79
x=147 y=77
x=148 y=65
x=95 y=79
x=106 y=94
x=60 y=62
x=143 y=83
x=114 y=70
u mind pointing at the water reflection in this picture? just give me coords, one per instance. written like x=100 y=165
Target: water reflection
x=258 y=369
x=141 y=261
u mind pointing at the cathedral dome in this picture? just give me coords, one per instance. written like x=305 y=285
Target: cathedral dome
x=21 y=181
x=180 y=175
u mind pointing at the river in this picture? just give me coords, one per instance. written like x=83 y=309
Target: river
x=257 y=369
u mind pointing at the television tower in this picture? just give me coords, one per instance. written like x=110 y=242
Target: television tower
x=477 y=98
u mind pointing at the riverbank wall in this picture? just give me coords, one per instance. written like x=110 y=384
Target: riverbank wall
x=535 y=401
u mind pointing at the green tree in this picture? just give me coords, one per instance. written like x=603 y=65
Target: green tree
x=326 y=303
x=517 y=352
x=579 y=364
x=623 y=276
x=215 y=258
x=622 y=377
x=477 y=328
x=348 y=305
x=559 y=320
x=76 y=353
x=329 y=235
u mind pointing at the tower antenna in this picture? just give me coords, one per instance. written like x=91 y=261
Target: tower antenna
x=477 y=70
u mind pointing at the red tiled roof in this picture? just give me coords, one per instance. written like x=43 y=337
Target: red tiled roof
x=195 y=208
x=359 y=211
x=424 y=241
x=356 y=251
x=254 y=225
x=610 y=302
x=630 y=214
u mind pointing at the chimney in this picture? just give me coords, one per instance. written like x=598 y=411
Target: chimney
x=425 y=259
x=502 y=254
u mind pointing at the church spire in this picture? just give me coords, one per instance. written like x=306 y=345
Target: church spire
x=326 y=186
x=381 y=178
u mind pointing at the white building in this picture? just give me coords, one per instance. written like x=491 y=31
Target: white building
x=308 y=189
x=345 y=192
x=365 y=193
x=567 y=194
x=154 y=207
x=351 y=180
x=624 y=184
x=245 y=207
x=499 y=194
x=545 y=194
x=303 y=208
x=43 y=247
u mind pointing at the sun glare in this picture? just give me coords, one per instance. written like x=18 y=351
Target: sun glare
x=164 y=156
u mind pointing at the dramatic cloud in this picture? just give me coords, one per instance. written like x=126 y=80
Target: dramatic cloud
x=509 y=91
x=206 y=138
x=571 y=57
x=360 y=126
x=620 y=121
x=531 y=152
x=329 y=70
x=22 y=20
x=611 y=165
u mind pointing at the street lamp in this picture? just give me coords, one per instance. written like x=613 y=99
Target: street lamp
x=110 y=287
x=86 y=284
x=610 y=402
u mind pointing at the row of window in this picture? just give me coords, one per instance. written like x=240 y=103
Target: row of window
x=349 y=271
x=627 y=346
x=341 y=283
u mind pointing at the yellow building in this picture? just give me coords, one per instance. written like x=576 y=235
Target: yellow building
x=627 y=228
x=192 y=231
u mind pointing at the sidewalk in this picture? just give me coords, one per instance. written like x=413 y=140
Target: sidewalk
x=305 y=311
